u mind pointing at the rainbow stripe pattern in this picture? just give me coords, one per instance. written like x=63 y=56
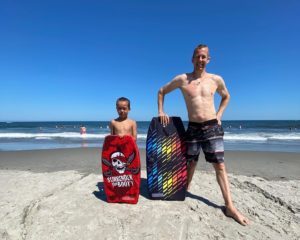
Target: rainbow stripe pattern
x=166 y=162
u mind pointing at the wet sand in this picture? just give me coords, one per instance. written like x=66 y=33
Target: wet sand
x=268 y=165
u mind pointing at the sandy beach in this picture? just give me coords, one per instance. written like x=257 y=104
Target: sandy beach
x=58 y=194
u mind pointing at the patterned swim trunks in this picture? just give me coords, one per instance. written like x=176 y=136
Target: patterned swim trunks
x=208 y=136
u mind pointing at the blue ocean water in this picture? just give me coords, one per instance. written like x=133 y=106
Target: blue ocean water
x=281 y=136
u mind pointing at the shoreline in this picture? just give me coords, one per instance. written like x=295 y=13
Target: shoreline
x=268 y=165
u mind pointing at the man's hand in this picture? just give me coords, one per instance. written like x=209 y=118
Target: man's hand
x=164 y=118
x=219 y=120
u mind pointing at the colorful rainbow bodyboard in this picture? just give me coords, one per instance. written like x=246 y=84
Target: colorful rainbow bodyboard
x=166 y=161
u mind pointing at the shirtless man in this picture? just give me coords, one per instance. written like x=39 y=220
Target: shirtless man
x=123 y=125
x=204 y=130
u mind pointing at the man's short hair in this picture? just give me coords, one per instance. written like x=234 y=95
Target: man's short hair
x=123 y=99
x=199 y=47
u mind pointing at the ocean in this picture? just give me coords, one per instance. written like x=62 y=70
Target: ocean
x=275 y=136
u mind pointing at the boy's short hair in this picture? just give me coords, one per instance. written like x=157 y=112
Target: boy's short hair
x=123 y=99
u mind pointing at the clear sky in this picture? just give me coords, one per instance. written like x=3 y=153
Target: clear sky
x=70 y=60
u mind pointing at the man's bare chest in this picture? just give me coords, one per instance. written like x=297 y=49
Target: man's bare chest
x=199 y=88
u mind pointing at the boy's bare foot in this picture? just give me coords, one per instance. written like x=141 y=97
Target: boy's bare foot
x=236 y=215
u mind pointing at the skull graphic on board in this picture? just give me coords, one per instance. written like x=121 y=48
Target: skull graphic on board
x=118 y=162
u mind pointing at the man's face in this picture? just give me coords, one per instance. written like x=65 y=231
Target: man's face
x=122 y=108
x=200 y=58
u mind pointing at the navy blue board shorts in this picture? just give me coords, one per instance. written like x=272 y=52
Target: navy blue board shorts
x=208 y=136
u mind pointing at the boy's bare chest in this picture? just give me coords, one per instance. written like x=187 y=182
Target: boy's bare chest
x=122 y=126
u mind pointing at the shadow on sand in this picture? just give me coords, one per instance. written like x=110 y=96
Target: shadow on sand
x=204 y=200
x=100 y=194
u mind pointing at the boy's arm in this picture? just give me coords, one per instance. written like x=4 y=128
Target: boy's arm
x=134 y=130
x=111 y=126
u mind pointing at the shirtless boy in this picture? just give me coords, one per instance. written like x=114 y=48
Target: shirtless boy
x=123 y=125
x=204 y=129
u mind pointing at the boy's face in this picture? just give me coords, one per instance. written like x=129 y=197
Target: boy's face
x=122 y=109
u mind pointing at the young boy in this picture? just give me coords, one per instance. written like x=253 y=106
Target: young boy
x=123 y=125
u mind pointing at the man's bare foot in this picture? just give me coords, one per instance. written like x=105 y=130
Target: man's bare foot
x=236 y=215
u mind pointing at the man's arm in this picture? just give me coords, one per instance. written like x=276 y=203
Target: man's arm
x=175 y=83
x=222 y=90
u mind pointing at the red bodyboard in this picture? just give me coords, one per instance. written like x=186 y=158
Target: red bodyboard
x=121 y=169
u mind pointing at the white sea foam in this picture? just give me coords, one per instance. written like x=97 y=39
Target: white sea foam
x=142 y=136
x=42 y=138
x=262 y=137
x=52 y=135
x=290 y=136
x=244 y=137
x=251 y=137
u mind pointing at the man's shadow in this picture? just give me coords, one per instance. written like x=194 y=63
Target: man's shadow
x=204 y=200
x=100 y=194
x=144 y=192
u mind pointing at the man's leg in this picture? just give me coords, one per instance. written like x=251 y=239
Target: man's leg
x=190 y=172
x=223 y=182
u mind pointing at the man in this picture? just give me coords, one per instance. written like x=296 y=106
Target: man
x=204 y=130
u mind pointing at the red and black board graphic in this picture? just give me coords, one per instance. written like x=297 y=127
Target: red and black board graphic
x=121 y=169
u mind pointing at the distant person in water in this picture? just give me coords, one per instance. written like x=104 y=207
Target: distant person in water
x=204 y=129
x=82 y=130
x=123 y=125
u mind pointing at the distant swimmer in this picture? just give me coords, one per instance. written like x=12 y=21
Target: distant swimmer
x=82 y=130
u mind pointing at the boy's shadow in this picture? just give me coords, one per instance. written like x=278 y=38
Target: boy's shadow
x=144 y=189
x=100 y=194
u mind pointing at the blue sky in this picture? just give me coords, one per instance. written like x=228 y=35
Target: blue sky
x=70 y=60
